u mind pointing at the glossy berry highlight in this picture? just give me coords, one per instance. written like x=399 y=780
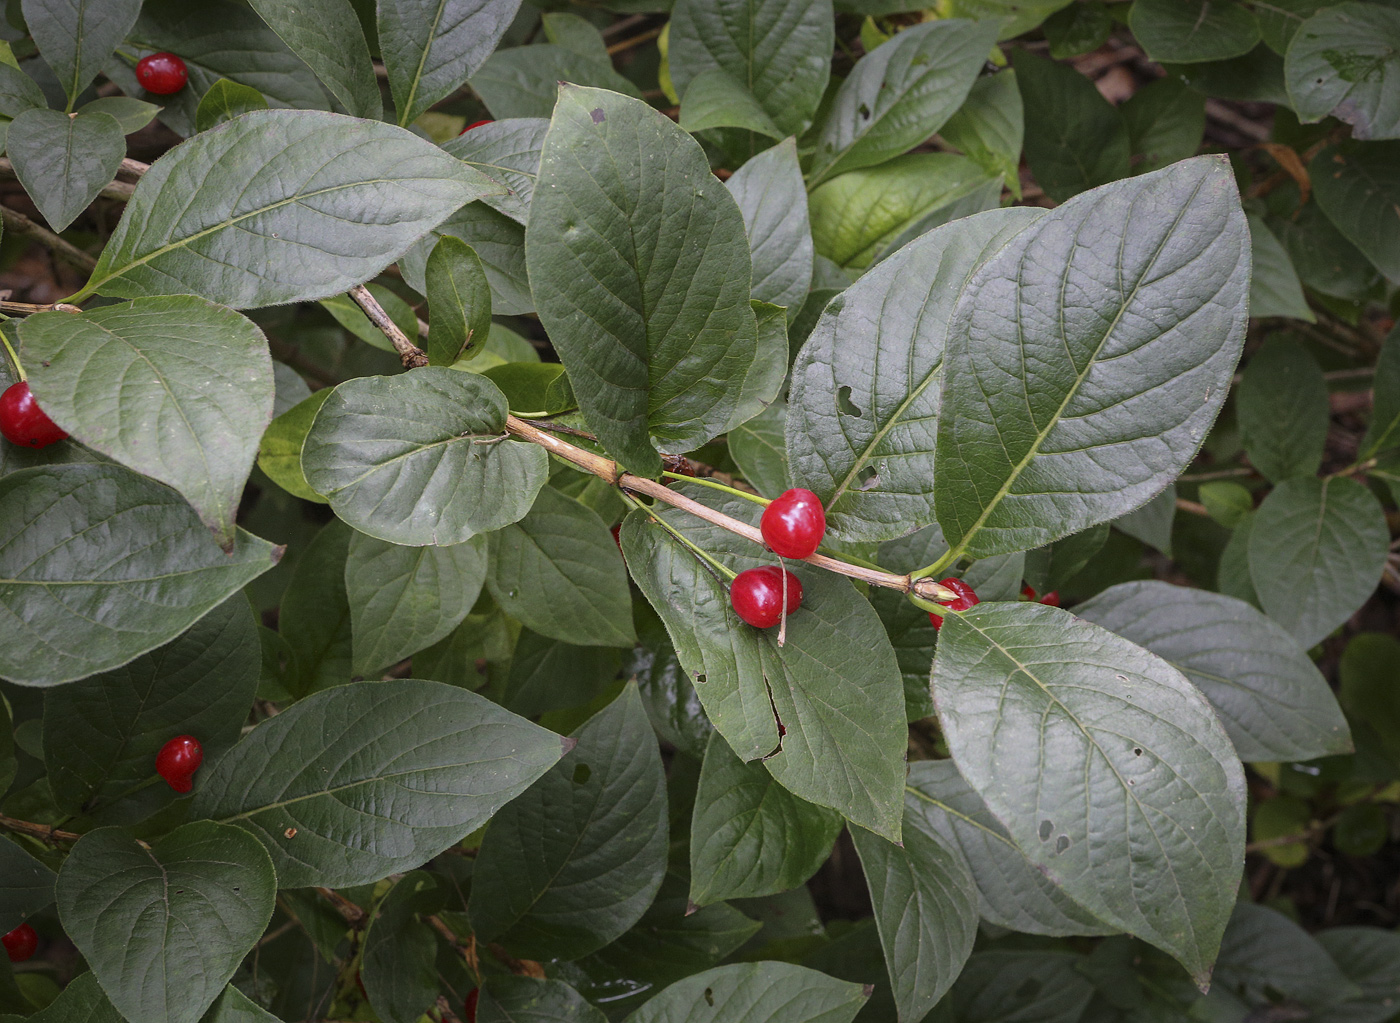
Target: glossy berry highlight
x=162 y=73
x=793 y=524
x=23 y=422
x=177 y=761
x=965 y=599
x=21 y=943
x=757 y=595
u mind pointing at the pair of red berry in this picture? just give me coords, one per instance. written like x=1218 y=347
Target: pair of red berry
x=162 y=73
x=965 y=599
x=23 y=422
x=177 y=761
x=21 y=943
x=1051 y=599
x=792 y=526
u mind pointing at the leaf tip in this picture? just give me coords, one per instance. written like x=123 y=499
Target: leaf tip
x=568 y=742
x=867 y=990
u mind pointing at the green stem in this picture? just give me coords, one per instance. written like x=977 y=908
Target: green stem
x=723 y=569
x=13 y=357
x=949 y=558
x=713 y=485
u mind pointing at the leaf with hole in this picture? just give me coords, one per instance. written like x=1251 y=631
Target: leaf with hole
x=1341 y=61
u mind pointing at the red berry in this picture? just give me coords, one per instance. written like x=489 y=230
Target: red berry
x=757 y=595
x=617 y=535
x=469 y=1009
x=177 y=761
x=1027 y=592
x=21 y=943
x=965 y=599
x=162 y=73
x=474 y=124
x=1051 y=599
x=23 y=422
x=793 y=525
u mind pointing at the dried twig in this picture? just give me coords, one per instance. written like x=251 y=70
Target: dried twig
x=410 y=354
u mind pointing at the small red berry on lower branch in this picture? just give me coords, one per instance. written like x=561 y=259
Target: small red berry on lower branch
x=162 y=73
x=23 y=422
x=21 y=943
x=1051 y=599
x=794 y=523
x=469 y=1008
x=757 y=595
x=177 y=761
x=965 y=599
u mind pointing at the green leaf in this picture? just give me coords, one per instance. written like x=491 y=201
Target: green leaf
x=217 y=39
x=1013 y=893
x=1358 y=187
x=69 y=608
x=866 y=387
x=1282 y=410
x=499 y=242
x=1075 y=139
x=130 y=114
x=421 y=458
x=303 y=222
x=926 y=912
x=1281 y=19
x=1342 y=62
x=101 y=735
x=524 y=80
x=557 y=571
x=165 y=925
x=1326 y=262
x=366 y=779
x=509 y=152
x=546 y=674
x=1120 y=388
x=776 y=51
x=76 y=37
x=1275 y=289
x=574 y=33
x=405 y=599
x=1040 y=985
x=1192 y=31
x=671 y=700
x=1078 y=28
x=1368 y=690
x=507 y=999
x=1370 y=958
x=757 y=447
x=1383 y=432
x=859 y=216
x=1269 y=696
x=82 y=1001
x=1014 y=16
x=990 y=126
x=773 y=200
x=326 y=34
x=1152 y=523
x=1165 y=120
x=177 y=388
x=397 y=970
x=1266 y=957
x=899 y=95
x=459 y=297
x=533 y=386
x=63 y=161
x=279 y=451
x=763 y=383
x=314 y=617
x=749 y=835
x=26 y=885
x=1145 y=783
x=1331 y=533
x=843 y=711
x=18 y=92
x=431 y=47
x=767 y=992
x=716 y=99
x=652 y=364
x=224 y=101
x=1228 y=503
x=574 y=862
x=233 y=1006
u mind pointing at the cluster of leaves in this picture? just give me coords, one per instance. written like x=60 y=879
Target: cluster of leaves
x=455 y=740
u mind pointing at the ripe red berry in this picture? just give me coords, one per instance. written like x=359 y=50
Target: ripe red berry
x=469 y=1009
x=23 y=422
x=793 y=525
x=474 y=124
x=177 y=761
x=21 y=943
x=757 y=595
x=162 y=73
x=1027 y=592
x=965 y=599
x=1051 y=599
